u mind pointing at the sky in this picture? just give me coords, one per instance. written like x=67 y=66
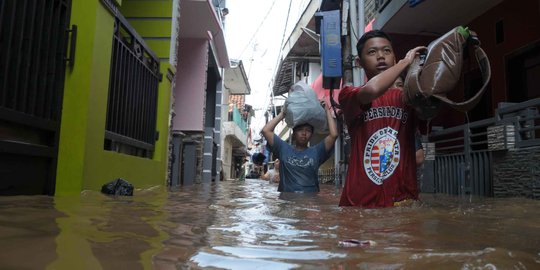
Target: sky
x=254 y=30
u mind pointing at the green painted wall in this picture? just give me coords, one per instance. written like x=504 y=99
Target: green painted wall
x=74 y=125
x=151 y=27
x=164 y=109
x=160 y=47
x=153 y=21
x=148 y=8
x=82 y=162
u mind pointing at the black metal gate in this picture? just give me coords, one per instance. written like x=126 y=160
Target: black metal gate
x=33 y=42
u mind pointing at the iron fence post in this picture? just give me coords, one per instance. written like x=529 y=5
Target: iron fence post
x=466 y=188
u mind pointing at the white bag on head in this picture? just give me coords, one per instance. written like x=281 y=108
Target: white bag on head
x=303 y=107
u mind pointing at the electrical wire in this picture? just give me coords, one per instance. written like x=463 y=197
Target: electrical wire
x=278 y=59
x=257 y=30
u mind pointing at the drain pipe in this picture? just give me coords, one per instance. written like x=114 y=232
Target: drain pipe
x=361 y=27
x=354 y=32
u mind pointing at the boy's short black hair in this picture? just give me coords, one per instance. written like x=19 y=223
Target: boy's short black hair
x=303 y=125
x=369 y=35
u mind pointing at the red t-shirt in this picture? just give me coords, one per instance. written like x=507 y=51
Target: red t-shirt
x=382 y=166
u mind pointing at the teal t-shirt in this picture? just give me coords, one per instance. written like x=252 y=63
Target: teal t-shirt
x=299 y=170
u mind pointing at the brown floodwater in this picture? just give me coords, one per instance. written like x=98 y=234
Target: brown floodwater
x=249 y=225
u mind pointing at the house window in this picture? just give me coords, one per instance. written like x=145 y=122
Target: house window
x=133 y=94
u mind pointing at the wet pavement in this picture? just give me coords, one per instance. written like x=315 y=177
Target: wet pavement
x=249 y=225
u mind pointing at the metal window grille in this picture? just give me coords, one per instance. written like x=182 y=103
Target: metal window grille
x=133 y=92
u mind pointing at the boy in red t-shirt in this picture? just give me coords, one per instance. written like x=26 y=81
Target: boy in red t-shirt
x=382 y=167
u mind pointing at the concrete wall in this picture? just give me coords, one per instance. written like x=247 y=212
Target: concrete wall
x=197 y=138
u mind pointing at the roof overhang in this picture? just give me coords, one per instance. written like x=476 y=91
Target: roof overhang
x=198 y=19
x=302 y=45
x=303 y=42
x=430 y=17
x=284 y=78
x=236 y=81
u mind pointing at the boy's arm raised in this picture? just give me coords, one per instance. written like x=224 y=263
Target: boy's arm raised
x=378 y=85
x=332 y=128
x=268 y=129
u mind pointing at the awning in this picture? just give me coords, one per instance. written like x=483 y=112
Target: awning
x=236 y=81
x=284 y=78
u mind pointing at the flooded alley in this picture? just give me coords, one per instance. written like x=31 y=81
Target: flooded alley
x=249 y=225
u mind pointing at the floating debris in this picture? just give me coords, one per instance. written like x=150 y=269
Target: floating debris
x=356 y=243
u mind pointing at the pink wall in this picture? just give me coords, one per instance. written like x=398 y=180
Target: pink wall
x=190 y=85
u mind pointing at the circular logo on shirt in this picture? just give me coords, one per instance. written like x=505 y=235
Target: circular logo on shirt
x=381 y=155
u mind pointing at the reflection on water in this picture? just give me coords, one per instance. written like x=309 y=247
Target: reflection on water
x=249 y=225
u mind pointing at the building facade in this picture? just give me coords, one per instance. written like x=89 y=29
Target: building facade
x=87 y=105
x=204 y=81
x=466 y=153
x=236 y=117
x=103 y=100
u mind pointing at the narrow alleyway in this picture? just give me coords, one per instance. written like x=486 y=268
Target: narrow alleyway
x=249 y=225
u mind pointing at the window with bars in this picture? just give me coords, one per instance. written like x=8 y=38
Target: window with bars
x=133 y=93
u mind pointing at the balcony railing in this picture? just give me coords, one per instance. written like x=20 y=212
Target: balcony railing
x=237 y=118
x=520 y=124
x=463 y=153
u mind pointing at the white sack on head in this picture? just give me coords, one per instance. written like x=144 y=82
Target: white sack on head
x=303 y=107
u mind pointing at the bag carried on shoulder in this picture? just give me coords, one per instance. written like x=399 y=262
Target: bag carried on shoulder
x=430 y=79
